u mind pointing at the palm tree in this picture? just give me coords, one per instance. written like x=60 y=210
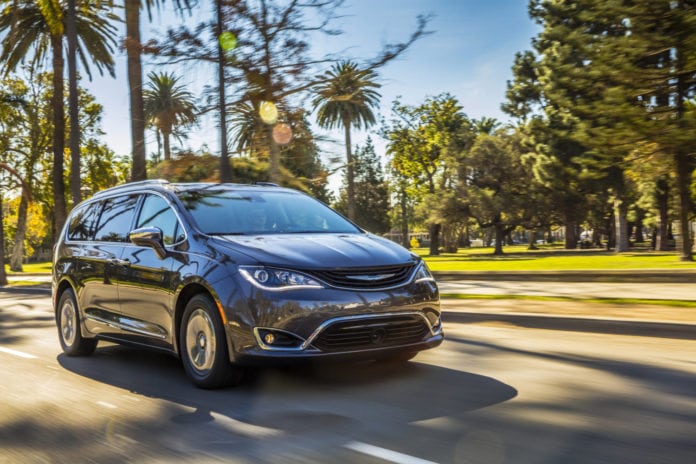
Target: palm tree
x=486 y=125
x=133 y=46
x=346 y=98
x=168 y=106
x=90 y=32
x=35 y=28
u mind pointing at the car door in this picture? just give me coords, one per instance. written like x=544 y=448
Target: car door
x=147 y=285
x=101 y=267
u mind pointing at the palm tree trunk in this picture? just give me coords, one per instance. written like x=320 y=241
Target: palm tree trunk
x=59 y=208
x=135 y=83
x=225 y=171
x=350 y=173
x=167 y=150
x=274 y=170
x=71 y=32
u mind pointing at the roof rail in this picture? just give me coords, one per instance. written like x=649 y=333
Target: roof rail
x=132 y=185
x=266 y=184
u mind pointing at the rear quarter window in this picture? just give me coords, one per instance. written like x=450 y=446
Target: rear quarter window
x=83 y=222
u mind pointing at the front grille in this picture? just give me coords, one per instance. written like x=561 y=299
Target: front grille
x=372 y=333
x=367 y=277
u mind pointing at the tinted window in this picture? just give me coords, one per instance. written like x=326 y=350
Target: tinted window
x=116 y=219
x=83 y=221
x=227 y=212
x=156 y=212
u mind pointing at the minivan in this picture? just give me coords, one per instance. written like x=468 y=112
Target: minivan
x=228 y=276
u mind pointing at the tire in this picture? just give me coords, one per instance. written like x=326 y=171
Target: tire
x=203 y=346
x=68 y=322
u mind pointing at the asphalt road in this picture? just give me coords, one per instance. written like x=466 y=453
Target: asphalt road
x=494 y=392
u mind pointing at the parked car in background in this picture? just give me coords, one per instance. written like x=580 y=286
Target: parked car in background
x=227 y=276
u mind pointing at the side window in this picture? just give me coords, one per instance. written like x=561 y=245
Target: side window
x=83 y=222
x=156 y=212
x=116 y=219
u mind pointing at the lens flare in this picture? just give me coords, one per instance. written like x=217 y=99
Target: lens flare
x=268 y=112
x=228 y=41
x=282 y=134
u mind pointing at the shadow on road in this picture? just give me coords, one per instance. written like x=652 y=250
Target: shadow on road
x=12 y=322
x=321 y=397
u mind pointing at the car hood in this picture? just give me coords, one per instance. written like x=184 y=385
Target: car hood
x=320 y=251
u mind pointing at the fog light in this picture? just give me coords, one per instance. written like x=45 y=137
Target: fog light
x=269 y=338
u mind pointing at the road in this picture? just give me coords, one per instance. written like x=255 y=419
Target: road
x=493 y=392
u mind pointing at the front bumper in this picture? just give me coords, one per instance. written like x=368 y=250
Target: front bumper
x=333 y=323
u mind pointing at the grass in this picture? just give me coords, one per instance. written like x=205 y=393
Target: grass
x=621 y=301
x=551 y=258
x=33 y=268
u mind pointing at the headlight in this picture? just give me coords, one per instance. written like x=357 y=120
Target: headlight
x=423 y=274
x=277 y=279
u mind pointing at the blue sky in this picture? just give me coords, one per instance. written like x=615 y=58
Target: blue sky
x=469 y=54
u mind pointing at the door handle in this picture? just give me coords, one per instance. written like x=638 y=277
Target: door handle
x=120 y=262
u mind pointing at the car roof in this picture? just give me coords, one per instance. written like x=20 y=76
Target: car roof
x=178 y=187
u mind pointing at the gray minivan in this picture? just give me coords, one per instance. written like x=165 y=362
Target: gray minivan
x=227 y=276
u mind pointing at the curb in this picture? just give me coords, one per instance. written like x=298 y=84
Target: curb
x=579 y=324
x=27 y=290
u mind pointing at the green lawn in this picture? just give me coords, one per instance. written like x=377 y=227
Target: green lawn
x=518 y=258
x=32 y=268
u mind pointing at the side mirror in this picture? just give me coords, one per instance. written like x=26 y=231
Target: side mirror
x=149 y=237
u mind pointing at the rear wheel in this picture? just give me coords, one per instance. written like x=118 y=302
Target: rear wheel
x=68 y=322
x=203 y=346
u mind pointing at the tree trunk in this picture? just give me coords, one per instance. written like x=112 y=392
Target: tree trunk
x=59 y=206
x=71 y=31
x=499 y=237
x=3 y=274
x=662 y=197
x=532 y=240
x=135 y=84
x=167 y=151
x=684 y=174
x=350 y=173
x=225 y=170
x=434 y=230
x=17 y=258
x=403 y=203
x=274 y=171
x=620 y=213
x=571 y=236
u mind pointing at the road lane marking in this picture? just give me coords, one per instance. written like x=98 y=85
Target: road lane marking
x=106 y=405
x=17 y=353
x=385 y=454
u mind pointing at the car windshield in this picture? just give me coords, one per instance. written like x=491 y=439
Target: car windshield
x=242 y=212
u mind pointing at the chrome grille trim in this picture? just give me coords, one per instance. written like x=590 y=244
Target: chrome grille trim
x=367 y=278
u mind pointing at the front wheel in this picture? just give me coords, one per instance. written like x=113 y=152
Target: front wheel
x=203 y=346
x=68 y=322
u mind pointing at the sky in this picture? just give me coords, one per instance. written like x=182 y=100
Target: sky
x=469 y=54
